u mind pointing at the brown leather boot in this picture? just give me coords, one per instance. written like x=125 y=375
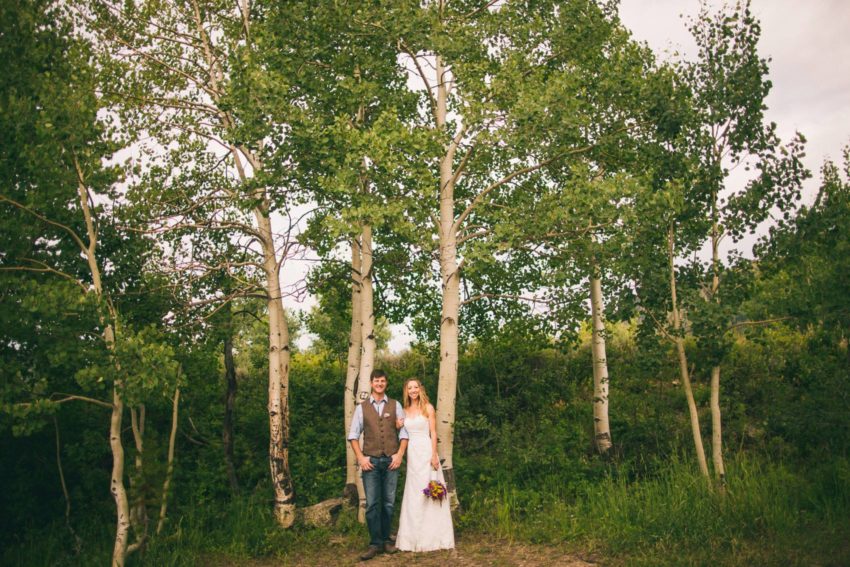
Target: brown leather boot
x=370 y=552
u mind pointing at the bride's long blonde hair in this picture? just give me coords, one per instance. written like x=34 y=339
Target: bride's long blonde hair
x=423 y=395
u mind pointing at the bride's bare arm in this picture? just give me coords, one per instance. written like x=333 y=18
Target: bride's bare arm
x=432 y=425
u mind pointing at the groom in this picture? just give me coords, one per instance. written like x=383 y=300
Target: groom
x=379 y=460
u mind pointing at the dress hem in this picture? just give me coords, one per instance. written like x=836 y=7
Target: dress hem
x=425 y=549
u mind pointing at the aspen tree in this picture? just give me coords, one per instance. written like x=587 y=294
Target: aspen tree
x=190 y=68
x=729 y=85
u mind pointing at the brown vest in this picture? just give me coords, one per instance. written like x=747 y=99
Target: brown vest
x=380 y=436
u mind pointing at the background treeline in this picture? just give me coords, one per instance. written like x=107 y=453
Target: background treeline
x=549 y=207
x=526 y=459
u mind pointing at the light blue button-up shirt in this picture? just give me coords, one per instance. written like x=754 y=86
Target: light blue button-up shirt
x=356 y=428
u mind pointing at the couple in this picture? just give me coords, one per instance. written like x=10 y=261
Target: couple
x=388 y=430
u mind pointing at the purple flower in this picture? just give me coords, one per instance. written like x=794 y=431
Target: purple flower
x=436 y=490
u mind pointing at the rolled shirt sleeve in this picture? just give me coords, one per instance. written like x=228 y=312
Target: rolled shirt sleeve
x=356 y=428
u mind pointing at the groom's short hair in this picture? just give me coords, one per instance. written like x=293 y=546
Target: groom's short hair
x=377 y=373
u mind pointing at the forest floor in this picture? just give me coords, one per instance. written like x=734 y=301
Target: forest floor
x=469 y=553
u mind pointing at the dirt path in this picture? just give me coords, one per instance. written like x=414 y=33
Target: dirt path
x=468 y=553
x=482 y=553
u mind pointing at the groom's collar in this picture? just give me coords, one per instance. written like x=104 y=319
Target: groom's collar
x=374 y=401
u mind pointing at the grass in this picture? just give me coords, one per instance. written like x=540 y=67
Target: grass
x=243 y=531
x=229 y=532
x=769 y=514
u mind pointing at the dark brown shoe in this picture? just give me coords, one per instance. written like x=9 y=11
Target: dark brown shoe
x=389 y=548
x=371 y=552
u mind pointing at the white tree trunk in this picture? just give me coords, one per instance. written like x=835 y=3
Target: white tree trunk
x=367 y=336
x=361 y=342
x=229 y=404
x=716 y=421
x=279 y=351
x=119 y=493
x=353 y=482
x=692 y=406
x=450 y=307
x=352 y=372
x=601 y=429
x=716 y=429
x=367 y=311
x=284 y=504
x=172 y=439
x=139 y=511
x=447 y=387
x=683 y=361
x=279 y=355
x=116 y=484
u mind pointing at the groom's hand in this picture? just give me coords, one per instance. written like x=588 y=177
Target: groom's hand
x=365 y=463
x=396 y=462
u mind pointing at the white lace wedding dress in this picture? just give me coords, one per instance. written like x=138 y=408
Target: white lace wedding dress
x=425 y=524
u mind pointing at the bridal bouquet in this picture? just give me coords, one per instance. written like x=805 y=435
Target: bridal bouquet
x=436 y=490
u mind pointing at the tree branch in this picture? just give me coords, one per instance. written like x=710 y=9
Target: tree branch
x=85 y=198
x=44 y=269
x=167 y=102
x=502 y=296
x=479 y=9
x=39 y=216
x=188 y=76
x=461 y=239
x=659 y=326
x=69 y=398
x=757 y=323
x=480 y=197
x=403 y=46
x=464 y=160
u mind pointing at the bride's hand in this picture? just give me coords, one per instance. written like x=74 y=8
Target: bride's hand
x=399 y=423
x=435 y=462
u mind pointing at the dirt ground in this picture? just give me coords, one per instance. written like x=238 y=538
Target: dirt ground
x=467 y=554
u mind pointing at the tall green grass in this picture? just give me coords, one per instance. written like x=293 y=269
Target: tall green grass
x=246 y=531
x=768 y=514
x=209 y=534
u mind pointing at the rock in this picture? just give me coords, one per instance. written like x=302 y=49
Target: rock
x=323 y=513
x=350 y=494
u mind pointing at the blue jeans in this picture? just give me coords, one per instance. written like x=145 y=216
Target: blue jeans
x=380 y=484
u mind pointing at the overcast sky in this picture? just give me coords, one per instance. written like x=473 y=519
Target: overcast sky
x=809 y=48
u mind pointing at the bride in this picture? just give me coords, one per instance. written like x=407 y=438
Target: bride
x=425 y=524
